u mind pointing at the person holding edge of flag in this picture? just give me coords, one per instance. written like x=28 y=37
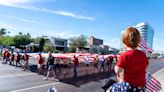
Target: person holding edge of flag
x=50 y=63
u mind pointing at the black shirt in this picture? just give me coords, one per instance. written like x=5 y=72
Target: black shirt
x=50 y=60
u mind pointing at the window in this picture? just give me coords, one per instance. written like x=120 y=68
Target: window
x=59 y=42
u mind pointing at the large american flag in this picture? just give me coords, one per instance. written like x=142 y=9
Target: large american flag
x=144 y=46
x=152 y=85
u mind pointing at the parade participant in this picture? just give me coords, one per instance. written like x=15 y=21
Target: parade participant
x=102 y=66
x=87 y=62
x=18 y=57
x=131 y=67
x=50 y=62
x=7 y=57
x=12 y=58
x=26 y=60
x=115 y=56
x=58 y=64
x=4 y=57
x=65 y=65
x=108 y=62
x=76 y=63
x=111 y=61
x=65 y=62
x=96 y=60
x=40 y=60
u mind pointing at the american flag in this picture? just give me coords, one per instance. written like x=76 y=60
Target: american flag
x=152 y=85
x=143 y=45
x=52 y=89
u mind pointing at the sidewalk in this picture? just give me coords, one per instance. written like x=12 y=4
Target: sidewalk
x=159 y=75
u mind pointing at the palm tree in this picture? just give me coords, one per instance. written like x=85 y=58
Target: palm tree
x=20 y=33
x=2 y=31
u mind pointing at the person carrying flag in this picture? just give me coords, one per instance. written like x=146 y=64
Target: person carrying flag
x=26 y=59
x=76 y=63
x=50 y=63
x=40 y=60
x=12 y=58
x=18 y=57
x=96 y=61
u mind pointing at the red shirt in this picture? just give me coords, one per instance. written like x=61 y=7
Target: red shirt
x=76 y=62
x=18 y=57
x=115 y=56
x=40 y=60
x=134 y=63
x=4 y=53
x=7 y=54
x=26 y=57
x=12 y=57
x=107 y=59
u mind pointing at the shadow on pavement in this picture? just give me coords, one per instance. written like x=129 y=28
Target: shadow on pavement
x=77 y=81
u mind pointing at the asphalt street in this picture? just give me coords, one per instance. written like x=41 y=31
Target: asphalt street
x=15 y=80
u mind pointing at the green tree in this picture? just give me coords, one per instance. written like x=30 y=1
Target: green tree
x=79 y=42
x=7 y=41
x=22 y=39
x=41 y=41
x=48 y=46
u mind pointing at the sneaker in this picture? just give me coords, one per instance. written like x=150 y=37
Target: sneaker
x=56 y=79
x=46 y=78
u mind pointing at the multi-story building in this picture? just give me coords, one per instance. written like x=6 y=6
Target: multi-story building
x=59 y=43
x=146 y=32
x=95 y=45
x=95 y=41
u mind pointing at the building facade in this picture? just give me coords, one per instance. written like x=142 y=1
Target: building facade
x=96 y=46
x=59 y=43
x=95 y=41
x=146 y=32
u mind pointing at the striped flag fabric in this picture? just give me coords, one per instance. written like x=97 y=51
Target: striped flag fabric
x=152 y=85
x=143 y=45
x=52 y=89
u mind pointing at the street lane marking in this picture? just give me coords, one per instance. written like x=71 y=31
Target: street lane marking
x=15 y=75
x=35 y=87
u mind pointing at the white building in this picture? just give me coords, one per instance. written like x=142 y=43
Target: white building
x=58 y=43
x=146 y=32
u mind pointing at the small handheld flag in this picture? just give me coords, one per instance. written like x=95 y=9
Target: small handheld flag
x=52 y=89
x=152 y=85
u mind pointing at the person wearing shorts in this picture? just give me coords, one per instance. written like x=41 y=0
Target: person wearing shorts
x=50 y=63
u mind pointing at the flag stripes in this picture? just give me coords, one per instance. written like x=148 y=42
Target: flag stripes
x=152 y=84
x=143 y=45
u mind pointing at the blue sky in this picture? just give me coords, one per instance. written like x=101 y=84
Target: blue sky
x=104 y=19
